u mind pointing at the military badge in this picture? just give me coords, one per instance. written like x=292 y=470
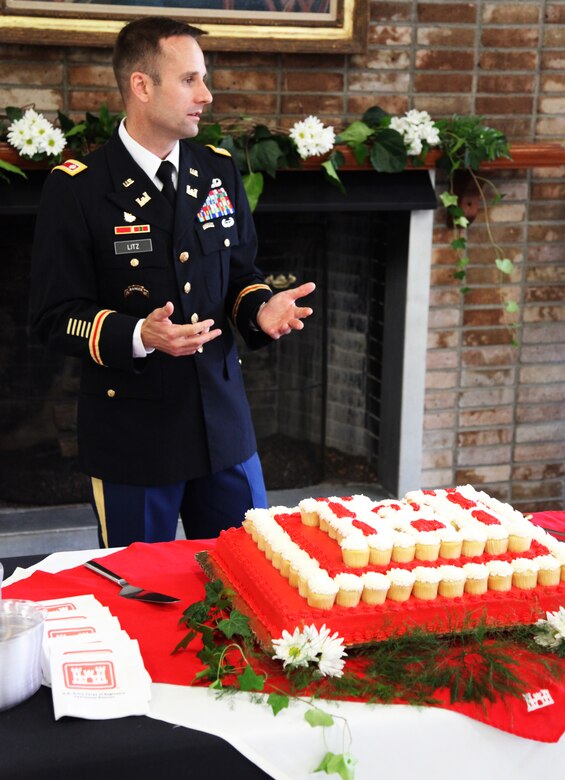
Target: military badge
x=121 y=230
x=217 y=204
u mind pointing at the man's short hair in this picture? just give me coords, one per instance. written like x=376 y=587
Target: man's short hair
x=138 y=47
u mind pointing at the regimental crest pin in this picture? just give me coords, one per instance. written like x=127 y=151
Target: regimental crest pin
x=216 y=183
x=192 y=191
x=129 y=217
x=127 y=183
x=193 y=171
x=143 y=199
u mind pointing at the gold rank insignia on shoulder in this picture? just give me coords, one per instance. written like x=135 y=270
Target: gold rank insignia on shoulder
x=127 y=183
x=72 y=167
x=219 y=150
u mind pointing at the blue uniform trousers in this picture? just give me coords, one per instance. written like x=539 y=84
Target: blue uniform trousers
x=207 y=505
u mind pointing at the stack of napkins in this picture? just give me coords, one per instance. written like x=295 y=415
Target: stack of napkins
x=93 y=667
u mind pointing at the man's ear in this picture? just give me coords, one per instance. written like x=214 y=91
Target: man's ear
x=140 y=86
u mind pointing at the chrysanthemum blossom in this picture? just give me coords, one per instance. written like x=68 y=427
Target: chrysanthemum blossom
x=311 y=137
x=34 y=134
x=293 y=649
x=416 y=128
x=552 y=630
x=312 y=645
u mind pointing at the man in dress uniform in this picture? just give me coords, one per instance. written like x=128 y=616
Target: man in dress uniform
x=143 y=253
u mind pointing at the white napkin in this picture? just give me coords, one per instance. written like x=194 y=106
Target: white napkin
x=93 y=667
x=98 y=680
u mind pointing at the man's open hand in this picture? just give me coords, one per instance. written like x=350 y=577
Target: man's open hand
x=280 y=314
x=158 y=332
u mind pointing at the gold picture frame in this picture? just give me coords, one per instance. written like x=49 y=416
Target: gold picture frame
x=232 y=25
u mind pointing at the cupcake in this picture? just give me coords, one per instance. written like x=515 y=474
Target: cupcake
x=499 y=575
x=474 y=539
x=355 y=550
x=375 y=587
x=451 y=543
x=452 y=581
x=322 y=591
x=559 y=553
x=525 y=574
x=427 y=546
x=497 y=539
x=403 y=547
x=401 y=583
x=549 y=570
x=476 y=582
x=309 y=512
x=307 y=568
x=380 y=548
x=426 y=582
x=350 y=589
x=519 y=537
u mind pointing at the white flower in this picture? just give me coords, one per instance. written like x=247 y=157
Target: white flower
x=552 y=630
x=293 y=649
x=312 y=644
x=416 y=127
x=311 y=137
x=33 y=134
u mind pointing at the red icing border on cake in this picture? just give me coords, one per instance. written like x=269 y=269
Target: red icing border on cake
x=273 y=605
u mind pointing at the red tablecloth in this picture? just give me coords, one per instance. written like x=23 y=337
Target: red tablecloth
x=171 y=568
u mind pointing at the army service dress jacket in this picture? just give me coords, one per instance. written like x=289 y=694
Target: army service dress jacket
x=108 y=250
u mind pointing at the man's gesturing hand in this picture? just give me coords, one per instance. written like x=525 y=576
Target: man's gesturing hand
x=160 y=333
x=280 y=315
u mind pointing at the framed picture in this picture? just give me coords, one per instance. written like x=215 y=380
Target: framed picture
x=232 y=25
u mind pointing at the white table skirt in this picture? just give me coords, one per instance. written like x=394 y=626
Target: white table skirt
x=395 y=742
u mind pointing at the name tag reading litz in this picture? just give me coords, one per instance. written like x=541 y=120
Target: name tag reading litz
x=123 y=247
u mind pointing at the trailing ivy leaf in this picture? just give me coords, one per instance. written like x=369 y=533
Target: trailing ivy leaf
x=249 y=681
x=213 y=591
x=458 y=243
x=183 y=644
x=195 y=613
x=461 y=222
x=341 y=764
x=449 y=199
x=12 y=169
x=77 y=129
x=504 y=265
x=216 y=685
x=237 y=623
x=331 y=173
x=278 y=702
x=317 y=717
x=355 y=133
x=463 y=262
x=511 y=307
x=253 y=185
x=464 y=290
x=388 y=153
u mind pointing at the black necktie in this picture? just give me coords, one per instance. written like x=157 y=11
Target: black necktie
x=165 y=174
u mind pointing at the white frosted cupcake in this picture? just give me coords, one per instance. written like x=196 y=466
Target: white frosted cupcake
x=525 y=574
x=401 y=583
x=355 y=550
x=322 y=591
x=451 y=543
x=309 y=512
x=476 y=582
x=519 y=536
x=549 y=570
x=474 y=539
x=427 y=546
x=403 y=547
x=499 y=575
x=426 y=582
x=380 y=548
x=375 y=587
x=452 y=581
x=497 y=539
x=559 y=553
x=350 y=589
x=308 y=567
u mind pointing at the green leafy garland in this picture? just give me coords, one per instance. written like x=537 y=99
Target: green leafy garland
x=476 y=664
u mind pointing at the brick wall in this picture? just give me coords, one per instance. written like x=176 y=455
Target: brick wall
x=495 y=415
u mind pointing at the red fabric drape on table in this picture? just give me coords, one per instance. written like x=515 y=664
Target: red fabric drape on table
x=172 y=568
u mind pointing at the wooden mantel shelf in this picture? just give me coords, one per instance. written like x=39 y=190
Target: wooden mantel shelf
x=531 y=155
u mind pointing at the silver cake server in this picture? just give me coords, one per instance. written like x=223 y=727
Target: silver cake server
x=130 y=591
